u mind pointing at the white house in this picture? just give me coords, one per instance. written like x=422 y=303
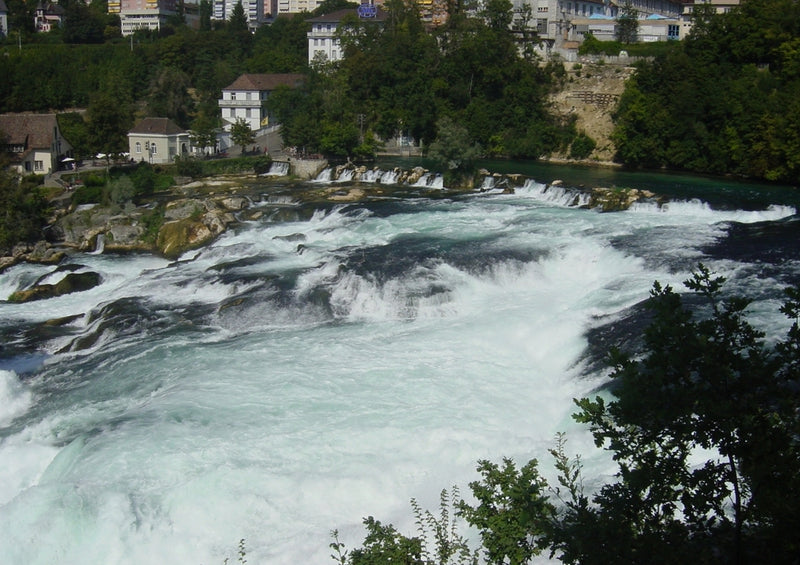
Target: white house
x=246 y=96
x=158 y=141
x=322 y=42
x=48 y=16
x=34 y=142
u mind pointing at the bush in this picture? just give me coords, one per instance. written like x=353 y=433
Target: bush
x=262 y=164
x=87 y=195
x=188 y=167
x=582 y=146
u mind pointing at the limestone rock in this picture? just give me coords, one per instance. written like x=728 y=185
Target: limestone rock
x=73 y=282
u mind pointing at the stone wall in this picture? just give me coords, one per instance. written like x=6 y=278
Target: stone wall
x=307 y=168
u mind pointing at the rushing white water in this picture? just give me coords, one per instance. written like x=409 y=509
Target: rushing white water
x=296 y=376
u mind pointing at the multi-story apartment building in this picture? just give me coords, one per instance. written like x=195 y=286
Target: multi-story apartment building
x=141 y=14
x=555 y=20
x=720 y=7
x=296 y=6
x=323 y=45
x=253 y=9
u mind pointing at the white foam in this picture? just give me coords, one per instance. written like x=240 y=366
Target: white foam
x=15 y=398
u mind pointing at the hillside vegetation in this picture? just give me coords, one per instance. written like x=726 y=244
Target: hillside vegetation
x=725 y=102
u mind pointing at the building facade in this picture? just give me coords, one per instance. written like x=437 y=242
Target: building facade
x=253 y=10
x=157 y=141
x=323 y=45
x=47 y=16
x=137 y=15
x=555 y=20
x=246 y=97
x=3 y=19
x=34 y=142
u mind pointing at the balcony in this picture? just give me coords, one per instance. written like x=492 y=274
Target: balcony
x=240 y=103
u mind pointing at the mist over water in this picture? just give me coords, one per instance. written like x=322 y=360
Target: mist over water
x=298 y=375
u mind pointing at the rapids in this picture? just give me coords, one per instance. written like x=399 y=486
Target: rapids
x=321 y=365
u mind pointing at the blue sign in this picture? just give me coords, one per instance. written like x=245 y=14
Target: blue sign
x=367 y=11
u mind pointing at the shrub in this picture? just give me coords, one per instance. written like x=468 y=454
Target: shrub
x=188 y=167
x=582 y=146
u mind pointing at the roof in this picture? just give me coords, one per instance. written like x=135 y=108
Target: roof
x=338 y=15
x=33 y=131
x=265 y=81
x=157 y=126
x=51 y=8
x=3 y=7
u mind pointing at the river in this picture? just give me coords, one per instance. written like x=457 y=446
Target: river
x=322 y=364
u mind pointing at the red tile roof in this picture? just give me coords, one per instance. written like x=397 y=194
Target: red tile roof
x=267 y=82
x=157 y=126
x=33 y=131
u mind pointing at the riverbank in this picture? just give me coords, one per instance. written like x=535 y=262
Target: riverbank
x=194 y=213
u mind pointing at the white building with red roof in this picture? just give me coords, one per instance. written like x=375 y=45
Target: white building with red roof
x=34 y=142
x=246 y=97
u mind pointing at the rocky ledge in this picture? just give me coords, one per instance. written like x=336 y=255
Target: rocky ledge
x=196 y=213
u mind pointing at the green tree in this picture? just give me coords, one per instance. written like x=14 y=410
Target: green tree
x=454 y=149
x=109 y=122
x=627 y=28
x=23 y=210
x=237 y=23
x=242 y=134
x=169 y=96
x=82 y=25
x=205 y=10
x=75 y=130
x=203 y=133
x=512 y=512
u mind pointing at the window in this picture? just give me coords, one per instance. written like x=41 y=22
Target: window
x=138 y=146
x=673 y=31
x=38 y=166
x=233 y=96
x=153 y=149
x=541 y=26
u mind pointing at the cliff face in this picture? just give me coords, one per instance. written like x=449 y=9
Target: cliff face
x=590 y=93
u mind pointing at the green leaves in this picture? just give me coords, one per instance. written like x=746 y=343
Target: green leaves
x=512 y=511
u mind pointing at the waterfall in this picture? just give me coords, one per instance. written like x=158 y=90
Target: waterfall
x=277 y=385
x=100 y=244
x=277 y=169
x=324 y=176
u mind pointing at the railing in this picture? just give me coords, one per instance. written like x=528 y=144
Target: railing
x=240 y=103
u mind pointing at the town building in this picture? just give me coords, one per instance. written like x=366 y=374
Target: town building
x=557 y=21
x=48 y=16
x=323 y=45
x=245 y=98
x=158 y=141
x=3 y=19
x=296 y=6
x=719 y=7
x=253 y=10
x=34 y=142
x=150 y=15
